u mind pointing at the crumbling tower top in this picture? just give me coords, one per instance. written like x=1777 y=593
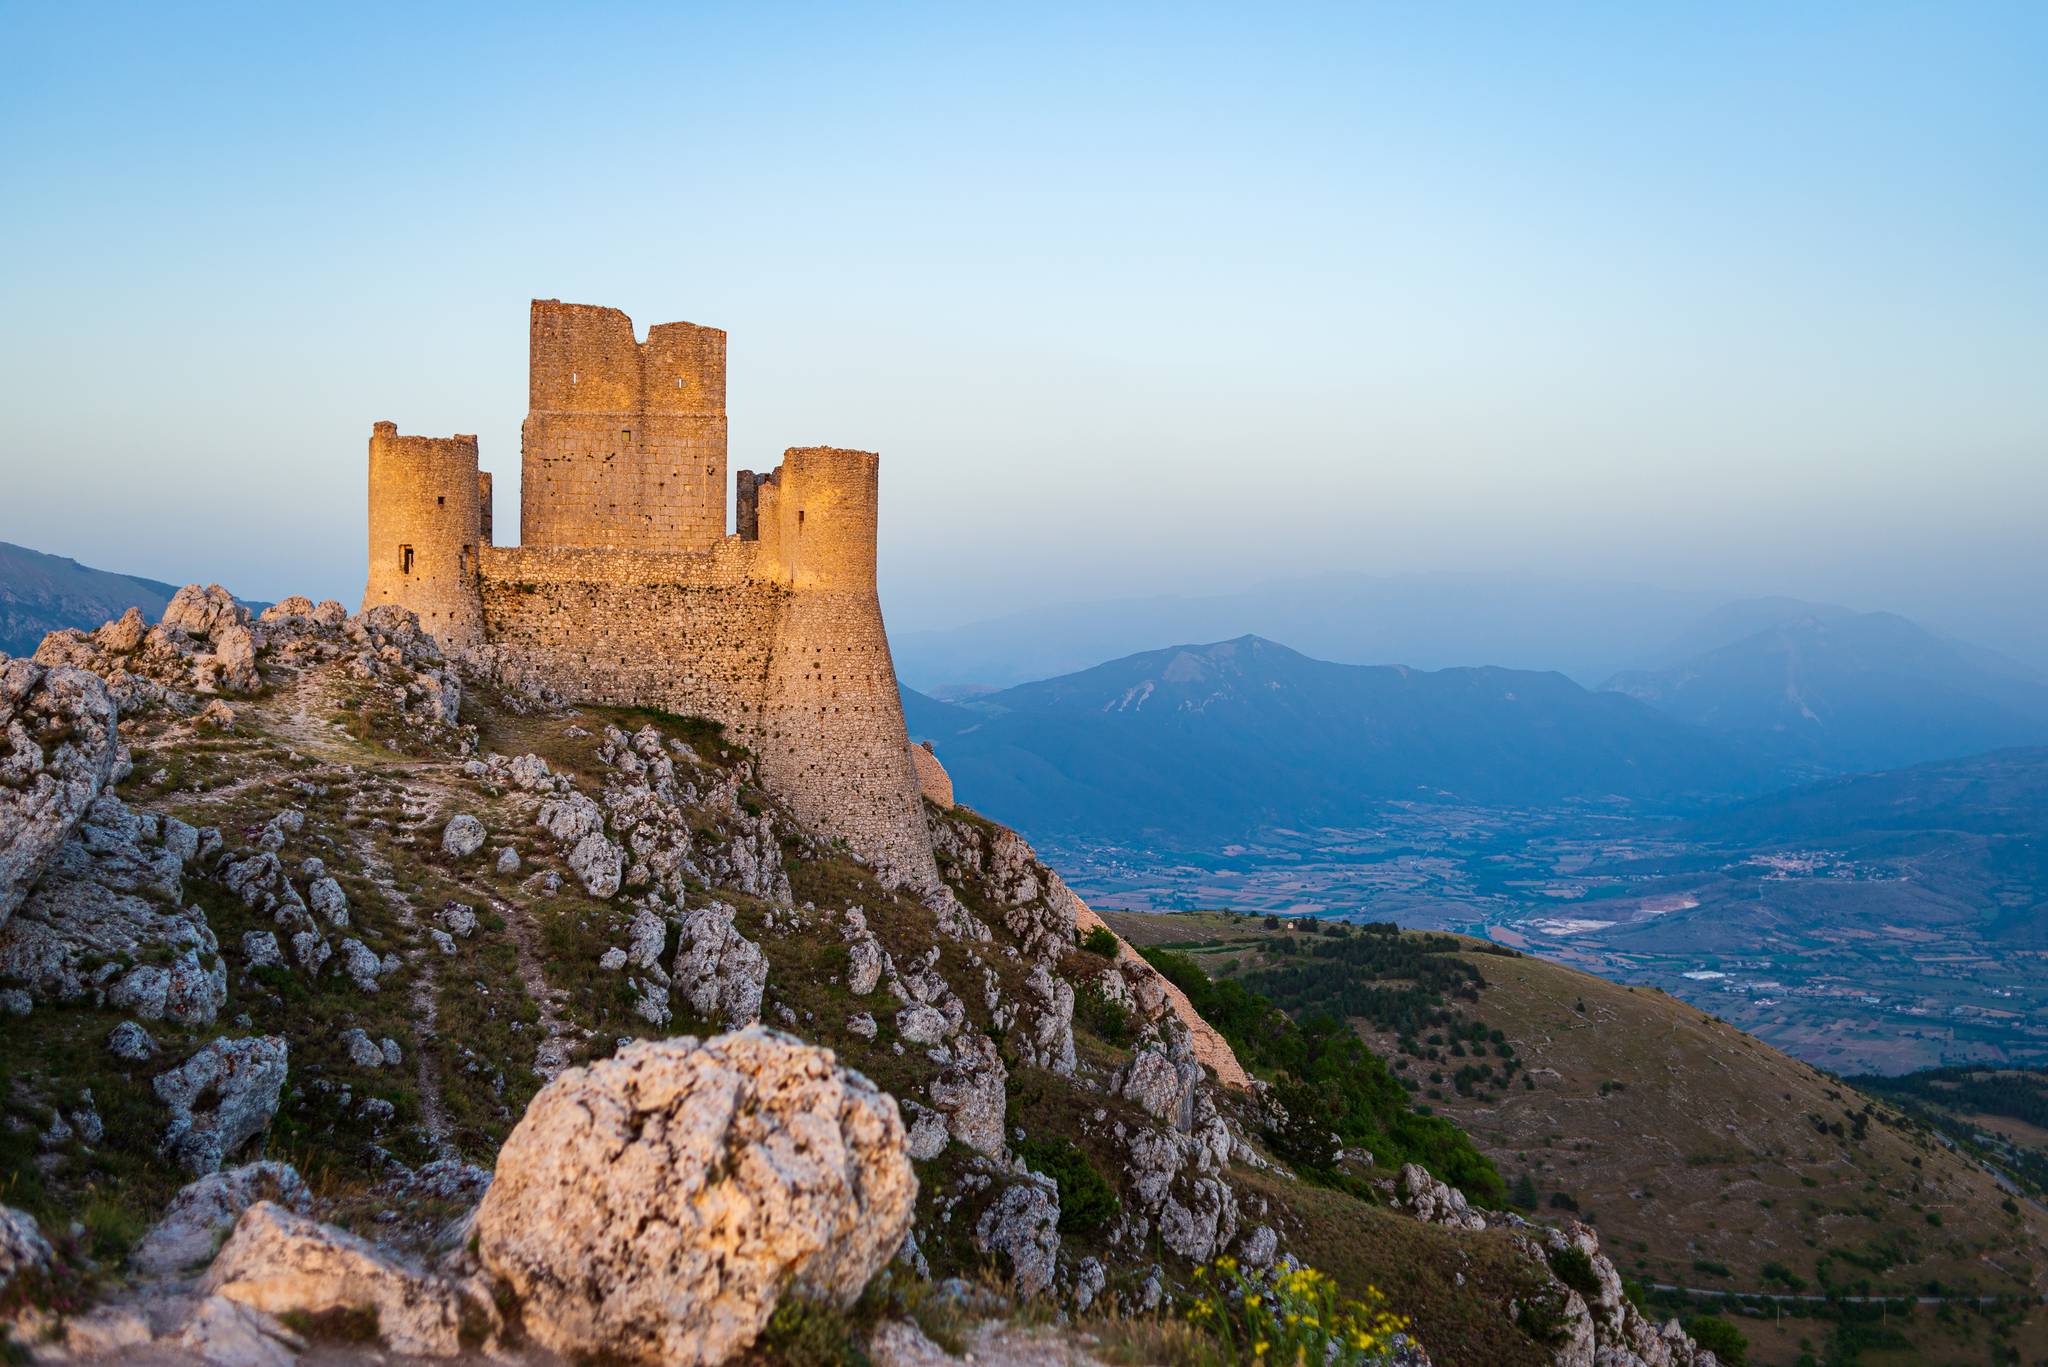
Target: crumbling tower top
x=625 y=441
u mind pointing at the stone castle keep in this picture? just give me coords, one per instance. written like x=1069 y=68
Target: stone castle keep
x=625 y=587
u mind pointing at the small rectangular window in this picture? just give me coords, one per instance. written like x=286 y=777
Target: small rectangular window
x=405 y=560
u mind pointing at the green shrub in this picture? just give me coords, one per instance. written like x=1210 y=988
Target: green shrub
x=1290 y=1316
x=1087 y=1200
x=1723 y=1339
x=802 y=1333
x=1101 y=1016
x=1574 y=1267
x=1101 y=940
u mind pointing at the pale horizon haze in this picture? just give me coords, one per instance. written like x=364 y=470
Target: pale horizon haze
x=1733 y=300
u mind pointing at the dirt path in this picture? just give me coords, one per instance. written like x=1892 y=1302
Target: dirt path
x=426 y=976
x=551 y=1055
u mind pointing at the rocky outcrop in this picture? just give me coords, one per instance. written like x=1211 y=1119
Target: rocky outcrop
x=203 y=1211
x=278 y=1262
x=1162 y=1081
x=970 y=1091
x=220 y=1099
x=23 y=1249
x=932 y=779
x=1434 y=1202
x=1146 y=983
x=204 y=644
x=718 y=972
x=1603 y=1328
x=1045 y=1032
x=105 y=922
x=652 y=1207
x=1022 y=1225
x=1174 y=1186
x=59 y=750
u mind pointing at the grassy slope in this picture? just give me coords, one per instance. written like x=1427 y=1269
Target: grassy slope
x=1707 y=1157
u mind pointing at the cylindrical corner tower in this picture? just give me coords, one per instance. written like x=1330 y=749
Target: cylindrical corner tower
x=425 y=530
x=830 y=735
x=826 y=504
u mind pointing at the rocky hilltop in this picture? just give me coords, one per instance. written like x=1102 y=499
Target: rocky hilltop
x=352 y=999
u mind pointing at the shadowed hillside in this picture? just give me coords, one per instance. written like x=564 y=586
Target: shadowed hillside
x=40 y=593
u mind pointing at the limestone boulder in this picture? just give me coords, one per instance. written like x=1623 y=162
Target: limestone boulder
x=277 y=1262
x=23 y=1249
x=717 y=970
x=598 y=864
x=920 y=1024
x=225 y=1333
x=59 y=750
x=1022 y=1225
x=865 y=960
x=570 y=818
x=328 y=901
x=130 y=1043
x=463 y=836
x=192 y=1225
x=971 y=1091
x=221 y=1098
x=361 y=964
x=652 y=1207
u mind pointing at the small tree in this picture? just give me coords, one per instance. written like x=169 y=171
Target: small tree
x=1723 y=1339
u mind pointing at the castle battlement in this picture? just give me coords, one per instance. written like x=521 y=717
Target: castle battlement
x=626 y=589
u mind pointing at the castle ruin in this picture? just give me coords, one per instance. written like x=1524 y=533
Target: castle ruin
x=626 y=588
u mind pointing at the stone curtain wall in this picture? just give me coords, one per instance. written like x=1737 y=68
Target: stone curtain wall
x=624 y=442
x=423 y=494
x=688 y=632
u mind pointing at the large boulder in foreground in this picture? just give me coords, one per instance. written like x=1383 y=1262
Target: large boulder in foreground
x=58 y=751
x=651 y=1207
x=279 y=1262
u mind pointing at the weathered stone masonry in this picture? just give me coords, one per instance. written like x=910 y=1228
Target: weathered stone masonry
x=625 y=588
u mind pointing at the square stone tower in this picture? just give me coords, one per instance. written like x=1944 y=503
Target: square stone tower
x=624 y=444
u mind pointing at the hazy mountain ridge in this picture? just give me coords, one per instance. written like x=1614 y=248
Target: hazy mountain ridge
x=1839 y=690
x=1205 y=742
x=1587 y=630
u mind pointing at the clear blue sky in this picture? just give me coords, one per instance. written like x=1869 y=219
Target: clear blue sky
x=1750 y=297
